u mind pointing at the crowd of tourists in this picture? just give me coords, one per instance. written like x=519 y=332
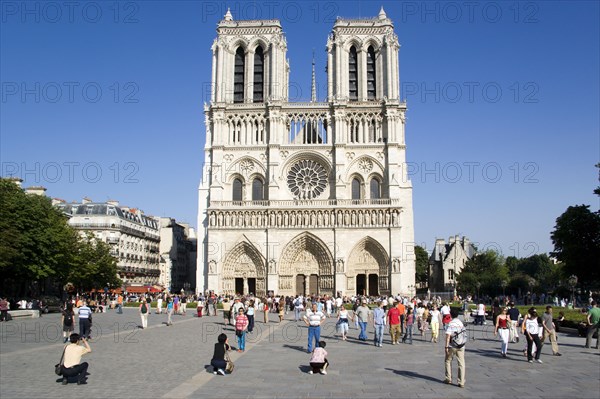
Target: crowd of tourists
x=402 y=316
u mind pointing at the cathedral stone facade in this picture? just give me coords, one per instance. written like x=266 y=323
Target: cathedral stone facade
x=305 y=197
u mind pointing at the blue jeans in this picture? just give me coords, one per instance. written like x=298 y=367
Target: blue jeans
x=408 y=333
x=363 y=330
x=120 y=308
x=242 y=341
x=378 y=334
x=250 y=322
x=297 y=312
x=314 y=332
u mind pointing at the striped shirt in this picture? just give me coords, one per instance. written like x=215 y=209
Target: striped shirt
x=84 y=312
x=314 y=318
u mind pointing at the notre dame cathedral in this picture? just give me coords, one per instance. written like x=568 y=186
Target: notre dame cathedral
x=305 y=197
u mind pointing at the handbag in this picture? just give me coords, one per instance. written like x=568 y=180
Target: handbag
x=58 y=367
x=239 y=333
x=230 y=366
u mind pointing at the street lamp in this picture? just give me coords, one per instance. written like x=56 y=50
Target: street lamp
x=478 y=284
x=531 y=283
x=503 y=283
x=572 y=283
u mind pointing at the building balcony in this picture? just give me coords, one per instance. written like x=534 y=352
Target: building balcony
x=294 y=204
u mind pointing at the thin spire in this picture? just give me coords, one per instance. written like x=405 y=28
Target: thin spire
x=313 y=89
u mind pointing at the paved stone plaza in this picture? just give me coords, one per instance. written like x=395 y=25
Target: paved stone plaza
x=172 y=362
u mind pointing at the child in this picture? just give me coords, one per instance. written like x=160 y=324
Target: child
x=318 y=362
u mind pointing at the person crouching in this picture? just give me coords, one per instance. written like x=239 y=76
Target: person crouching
x=72 y=365
x=318 y=361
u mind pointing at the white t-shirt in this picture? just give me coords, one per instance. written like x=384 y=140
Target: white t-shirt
x=532 y=326
x=435 y=316
x=481 y=309
x=445 y=310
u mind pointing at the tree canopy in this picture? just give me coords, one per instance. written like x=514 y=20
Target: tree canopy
x=38 y=244
x=421 y=265
x=576 y=239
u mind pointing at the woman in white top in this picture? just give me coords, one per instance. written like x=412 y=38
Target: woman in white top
x=531 y=327
x=435 y=323
x=342 y=322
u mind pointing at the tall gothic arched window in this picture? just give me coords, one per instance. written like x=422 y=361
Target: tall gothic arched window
x=371 y=82
x=375 y=189
x=353 y=74
x=356 y=189
x=258 y=190
x=259 y=62
x=237 y=192
x=238 y=76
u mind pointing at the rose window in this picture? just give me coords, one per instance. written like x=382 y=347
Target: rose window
x=307 y=179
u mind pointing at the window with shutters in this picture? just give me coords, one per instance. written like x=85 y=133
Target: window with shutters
x=238 y=76
x=259 y=62
x=353 y=74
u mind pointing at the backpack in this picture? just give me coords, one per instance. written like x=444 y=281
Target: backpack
x=459 y=338
x=144 y=308
x=68 y=319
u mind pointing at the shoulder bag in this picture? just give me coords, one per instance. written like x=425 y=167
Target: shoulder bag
x=58 y=367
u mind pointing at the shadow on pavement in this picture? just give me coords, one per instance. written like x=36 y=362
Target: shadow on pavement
x=295 y=347
x=412 y=374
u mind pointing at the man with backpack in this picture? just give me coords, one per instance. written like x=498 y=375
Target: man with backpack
x=456 y=338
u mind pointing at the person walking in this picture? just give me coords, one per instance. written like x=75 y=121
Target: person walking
x=456 y=338
x=85 y=320
x=281 y=309
x=4 y=307
x=342 y=323
x=68 y=321
x=119 y=304
x=241 y=325
x=480 y=315
x=502 y=323
x=593 y=322
x=144 y=311
x=169 y=311
x=313 y=319
x=250 y=313
x=184 y=301
x=159 y=302
x=408 y=326
x=513 y=313
x=549 y=330
x=266 y=311
x=532 y=330
x=298 y=307
x=379 y=324
x=200 y=306
x=435 y=323
x=362 y=314
x=226 y=311
x=393 y=319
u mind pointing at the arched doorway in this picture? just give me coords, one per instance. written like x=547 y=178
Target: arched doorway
x=306 y=267
x=368 y=265
x=244 y=271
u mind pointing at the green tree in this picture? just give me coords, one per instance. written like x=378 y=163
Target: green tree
x=576 y=239
x=37 y=244
x=36 y=239
x=421 y=264
x=486 y=268
x=93 y=266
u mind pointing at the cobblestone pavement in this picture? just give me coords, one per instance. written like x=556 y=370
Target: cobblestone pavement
x=172 y=362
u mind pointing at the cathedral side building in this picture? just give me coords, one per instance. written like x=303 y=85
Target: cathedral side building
x=305 y=197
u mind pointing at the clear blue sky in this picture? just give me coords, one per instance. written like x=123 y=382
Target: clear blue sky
x=105 y=99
